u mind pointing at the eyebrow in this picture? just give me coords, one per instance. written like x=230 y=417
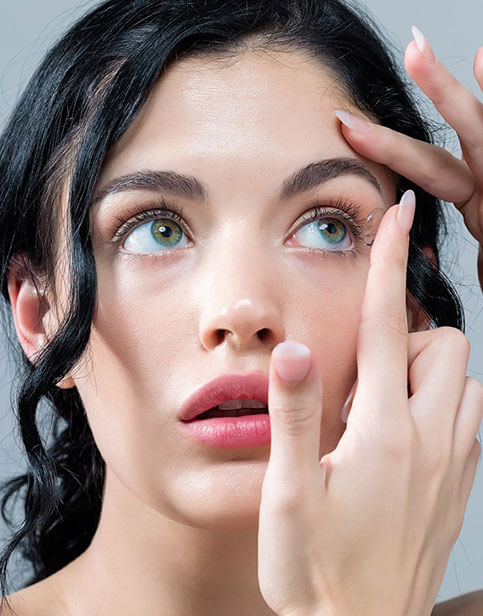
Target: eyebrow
x=308 y=177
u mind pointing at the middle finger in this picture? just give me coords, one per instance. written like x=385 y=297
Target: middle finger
x=458 y=106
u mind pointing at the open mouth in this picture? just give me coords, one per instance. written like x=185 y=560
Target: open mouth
x=217 y=412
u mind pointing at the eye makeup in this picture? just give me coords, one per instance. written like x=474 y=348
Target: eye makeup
x=328 y=211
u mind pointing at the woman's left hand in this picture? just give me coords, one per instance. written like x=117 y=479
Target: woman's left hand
x=432 y=167
x=368 y=528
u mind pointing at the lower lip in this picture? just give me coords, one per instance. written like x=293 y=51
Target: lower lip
x=228 y=432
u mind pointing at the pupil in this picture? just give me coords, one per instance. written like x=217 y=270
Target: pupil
x=165 y=231
x=330 y=230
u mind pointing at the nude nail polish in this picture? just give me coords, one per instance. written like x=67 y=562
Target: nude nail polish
x=352 y=121
x=406 y=210
x=423 y=45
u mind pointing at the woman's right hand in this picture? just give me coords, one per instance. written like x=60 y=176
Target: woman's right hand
x=432 y=167
x=369 y=528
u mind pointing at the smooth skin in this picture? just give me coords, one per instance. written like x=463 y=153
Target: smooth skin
x=391 y=497
x=180 y=521
x=432 y=167
x=436 y=170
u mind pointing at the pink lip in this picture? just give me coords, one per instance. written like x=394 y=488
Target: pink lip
x=253 y=386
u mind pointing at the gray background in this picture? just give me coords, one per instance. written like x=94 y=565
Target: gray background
x=27 y=30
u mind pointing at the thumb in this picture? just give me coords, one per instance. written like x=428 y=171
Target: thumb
x=295 y=409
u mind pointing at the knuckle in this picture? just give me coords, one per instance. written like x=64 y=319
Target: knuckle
x=445 y=162
x=454 y=338
x=474 y=386
x=428 y=174
x=295 y=416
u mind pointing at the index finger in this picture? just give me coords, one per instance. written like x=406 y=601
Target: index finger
x=454 y=101
x=382 y=355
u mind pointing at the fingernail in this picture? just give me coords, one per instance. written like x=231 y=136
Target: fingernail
x=423 y=45
x=347 y=404
x=353 y=122
x=292 y=361
x=406 y=209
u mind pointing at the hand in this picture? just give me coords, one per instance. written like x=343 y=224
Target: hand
x=429 y=166
x=368 y=529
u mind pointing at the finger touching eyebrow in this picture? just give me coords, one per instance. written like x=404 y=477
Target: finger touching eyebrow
x=312 y=175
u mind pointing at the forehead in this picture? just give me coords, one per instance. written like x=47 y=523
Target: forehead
x=242 y=121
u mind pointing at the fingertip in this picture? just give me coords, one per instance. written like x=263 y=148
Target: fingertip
x=478 y=66
x=353 y=122
x=406 y=210
x=292 y=360
x=412 y=56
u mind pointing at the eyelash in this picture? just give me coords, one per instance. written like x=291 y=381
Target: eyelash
x=348 y=211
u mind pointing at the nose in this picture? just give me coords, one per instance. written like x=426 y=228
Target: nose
x=242 y=302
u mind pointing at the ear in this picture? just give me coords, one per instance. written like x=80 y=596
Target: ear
x=417 y=320
x=429 y=252
x=32 y=316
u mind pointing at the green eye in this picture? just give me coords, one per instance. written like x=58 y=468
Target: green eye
x=324 y=233
x=153 y=236
x=333 y=231
x=166 y=233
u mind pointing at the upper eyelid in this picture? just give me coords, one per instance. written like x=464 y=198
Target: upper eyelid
x=345 y=208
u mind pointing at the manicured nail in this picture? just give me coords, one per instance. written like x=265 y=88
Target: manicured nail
x=352 y=121
x=423 y=45
x=406 y=209
x=292 y=361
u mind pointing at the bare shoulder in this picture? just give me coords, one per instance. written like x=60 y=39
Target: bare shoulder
x=40 y=599
x=470 y=604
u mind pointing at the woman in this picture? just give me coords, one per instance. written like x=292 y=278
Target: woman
x=178 y=199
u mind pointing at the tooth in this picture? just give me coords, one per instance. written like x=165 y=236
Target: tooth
x=241 y=404
x=231 y=404
x=254 y=404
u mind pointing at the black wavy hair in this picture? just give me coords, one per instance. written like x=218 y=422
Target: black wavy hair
x=86 y=92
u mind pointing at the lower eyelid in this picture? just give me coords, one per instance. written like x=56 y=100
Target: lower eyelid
x=353 y=227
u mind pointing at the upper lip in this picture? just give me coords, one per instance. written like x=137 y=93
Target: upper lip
x=253 y=386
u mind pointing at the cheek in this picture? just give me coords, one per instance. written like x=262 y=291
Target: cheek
x=328 y=319
x=334 y=326
x=144 y=329
x=142 y=355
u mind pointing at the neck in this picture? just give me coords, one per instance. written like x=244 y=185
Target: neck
x=141 y=561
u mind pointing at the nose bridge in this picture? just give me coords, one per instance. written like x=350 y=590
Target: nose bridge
x=241 y=288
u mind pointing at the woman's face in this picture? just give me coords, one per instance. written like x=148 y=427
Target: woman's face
x=241 y=127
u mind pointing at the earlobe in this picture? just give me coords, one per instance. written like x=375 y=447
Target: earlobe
x=28 y=307
x=31 y=311
x=429 y=253
x=417 y=319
